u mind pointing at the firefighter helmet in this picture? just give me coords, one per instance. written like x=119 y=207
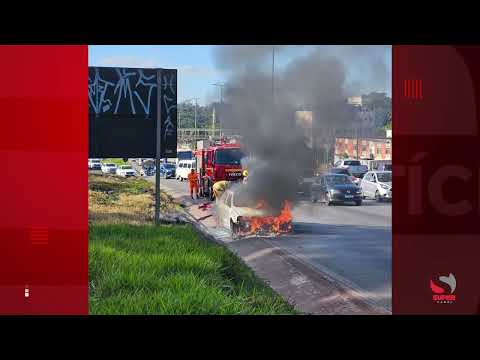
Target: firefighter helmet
x=245 y=173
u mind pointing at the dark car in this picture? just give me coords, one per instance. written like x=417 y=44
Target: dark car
x=340 y=171
x=167 y=170
x=335 y=188
x=148 y=170
x=355 y=179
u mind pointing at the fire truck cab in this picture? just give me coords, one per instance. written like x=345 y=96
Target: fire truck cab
x=216 y=162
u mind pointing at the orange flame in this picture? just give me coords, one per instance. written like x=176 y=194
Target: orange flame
x=270 y=224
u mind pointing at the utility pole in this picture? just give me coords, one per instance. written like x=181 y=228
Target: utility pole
x=195 y=136
x=213 y=122
x=195 y=119
x=358 y=144
x=273 y=74
x=221 y=86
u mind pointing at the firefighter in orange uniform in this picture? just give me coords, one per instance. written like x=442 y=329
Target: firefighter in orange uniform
x=193 y=182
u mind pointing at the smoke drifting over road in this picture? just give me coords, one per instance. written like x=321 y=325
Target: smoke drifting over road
x=266 y=118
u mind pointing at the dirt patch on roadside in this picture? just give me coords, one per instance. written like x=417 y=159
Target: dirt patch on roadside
x=115 y=200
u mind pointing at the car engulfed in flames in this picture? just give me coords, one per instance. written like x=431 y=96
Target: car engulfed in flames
x=250 y=218
x=266 y=225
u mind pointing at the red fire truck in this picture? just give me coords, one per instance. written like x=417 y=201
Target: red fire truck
x=216 y=162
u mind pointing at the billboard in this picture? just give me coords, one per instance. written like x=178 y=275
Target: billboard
x=123 y=109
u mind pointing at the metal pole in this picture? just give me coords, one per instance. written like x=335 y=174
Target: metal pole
x=358 y=145
x=195 y=137
x=213 y=123
x=273 y=74
x=221 y=85
x=158 y=150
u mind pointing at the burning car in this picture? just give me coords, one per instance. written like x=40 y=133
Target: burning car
x=244 y=216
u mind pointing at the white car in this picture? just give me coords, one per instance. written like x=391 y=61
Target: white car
x=377 y=185
x=231 y=209
x=109 y=168
x=125 y=171
x=184 y=168
x=94 y=164
x=354 y=166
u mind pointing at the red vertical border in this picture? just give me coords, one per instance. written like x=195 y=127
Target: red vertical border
x=436 y=180
x=44 y=188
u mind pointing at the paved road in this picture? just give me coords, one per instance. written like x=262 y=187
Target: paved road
x=352 y=244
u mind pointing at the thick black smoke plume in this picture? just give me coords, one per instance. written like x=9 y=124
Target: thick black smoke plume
x=265 y=118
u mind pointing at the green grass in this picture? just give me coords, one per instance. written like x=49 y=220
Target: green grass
x=115 y=161
x=119 y=185
x=171 y=270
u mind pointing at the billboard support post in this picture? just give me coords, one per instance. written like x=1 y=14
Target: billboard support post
x=158 y=147
x=132 y=113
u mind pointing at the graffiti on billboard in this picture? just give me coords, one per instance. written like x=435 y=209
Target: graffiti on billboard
x=121 y=91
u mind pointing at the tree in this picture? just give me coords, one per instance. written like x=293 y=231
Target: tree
x=186 y=115
x=381 y=104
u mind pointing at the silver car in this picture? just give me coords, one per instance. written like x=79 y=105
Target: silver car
x=377 y=185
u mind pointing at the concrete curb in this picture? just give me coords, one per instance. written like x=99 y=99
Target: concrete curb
x=199 y=227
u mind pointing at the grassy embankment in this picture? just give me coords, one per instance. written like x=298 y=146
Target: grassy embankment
x=138 y=268
x=115 y=161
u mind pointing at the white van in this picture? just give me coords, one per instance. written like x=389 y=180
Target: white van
x=184 y=168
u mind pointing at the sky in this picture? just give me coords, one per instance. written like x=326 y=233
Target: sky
x=197 y=70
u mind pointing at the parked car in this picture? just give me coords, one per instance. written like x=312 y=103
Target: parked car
x=377 y=184
x=109 y=168
x=94 y=164
x=184 y=168
x=355 y=180
x=379 y=165
x=146 y=170
x=125 y=171
x=167 y=170
x=335 y=188
x=354 y=166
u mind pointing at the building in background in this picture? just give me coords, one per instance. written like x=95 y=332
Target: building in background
x=328 y=141
x=363 y=148
x=354 y=100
